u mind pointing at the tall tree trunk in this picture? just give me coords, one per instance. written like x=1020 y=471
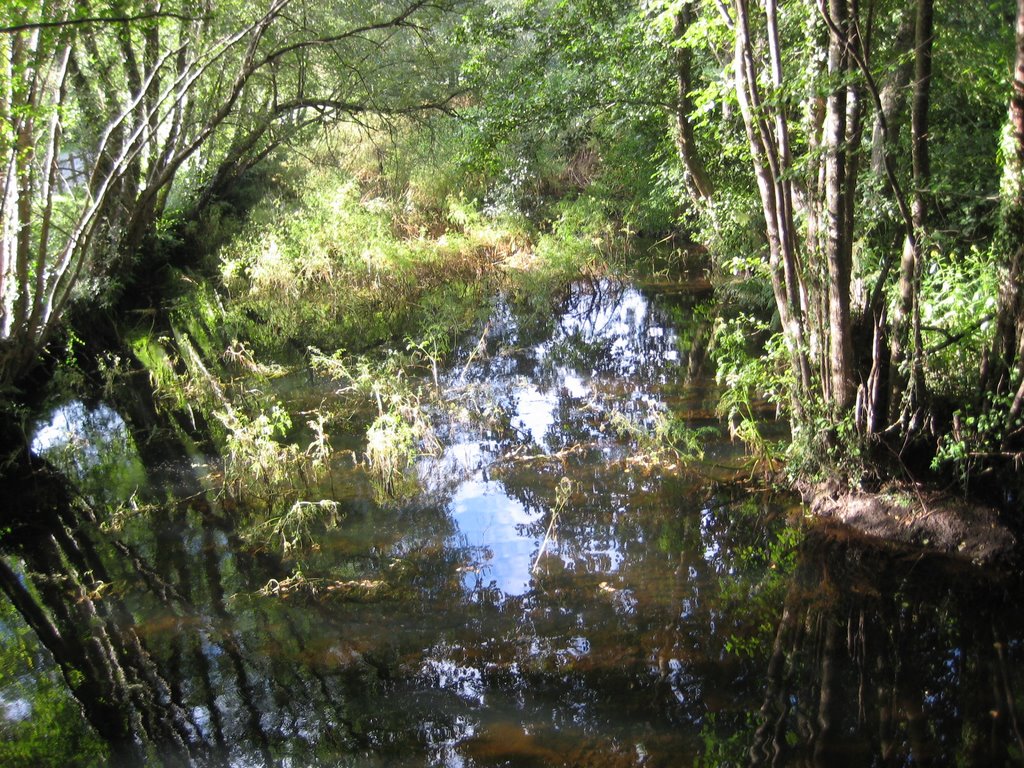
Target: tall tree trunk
x=861 y=345
x=893 y=95
x=1003 y=367
x=769 y=152
x=697 y=179
x=841 y=388
x=907 y=368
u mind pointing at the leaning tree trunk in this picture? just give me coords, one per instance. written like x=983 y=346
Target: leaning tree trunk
x=697 y=180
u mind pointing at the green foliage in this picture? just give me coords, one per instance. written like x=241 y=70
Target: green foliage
x=752 y=367
x=152 y=353
x=68 y=376
x=324 y=264
x=826 y=446
x=401 y=428
x=581 y=236
x=978 y=432
x=392 y=444
x=662 y=438
x=147 y=115
x=592 y=122
x=41 y=723
x=958 y=305
x=257 y=458
x=968 y=112
x=731 y=232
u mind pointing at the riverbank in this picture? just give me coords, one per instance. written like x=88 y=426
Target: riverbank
x=915 y=516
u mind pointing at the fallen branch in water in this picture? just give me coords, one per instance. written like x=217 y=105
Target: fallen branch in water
x=297 y=584
x=562 y=494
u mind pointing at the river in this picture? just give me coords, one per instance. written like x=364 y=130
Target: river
x=542 y=588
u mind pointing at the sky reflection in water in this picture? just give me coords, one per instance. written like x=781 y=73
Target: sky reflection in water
x=618 y=321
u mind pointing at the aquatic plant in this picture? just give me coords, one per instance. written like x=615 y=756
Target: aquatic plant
x=295 y=528
x=662 y=438
x=563 y=492
x=432 y=348
x=319 y=450
x=255 y=452
x=751 y=378
x=401 y=429
x=391 y=446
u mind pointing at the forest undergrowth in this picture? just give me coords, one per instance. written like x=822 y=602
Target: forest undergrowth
x=316 y=326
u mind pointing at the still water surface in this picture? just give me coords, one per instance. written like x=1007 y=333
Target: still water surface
x=542 y=591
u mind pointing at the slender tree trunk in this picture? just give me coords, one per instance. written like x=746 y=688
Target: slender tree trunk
x=1003 y=367
x=921 y=158
x=861 y=345
x=841 y=388
x=907 y=367
x=893 y=96
x=769 y=152
x=697 y=179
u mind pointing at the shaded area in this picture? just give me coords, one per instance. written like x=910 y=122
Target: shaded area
x=881 y=660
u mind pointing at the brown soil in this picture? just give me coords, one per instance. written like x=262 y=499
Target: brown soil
x=924 y=519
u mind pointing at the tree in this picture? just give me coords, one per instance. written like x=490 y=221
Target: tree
x=102 y=110
x=807 y=79
x=1003 y=367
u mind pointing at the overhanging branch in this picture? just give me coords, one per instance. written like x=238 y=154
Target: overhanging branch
x=32 y=25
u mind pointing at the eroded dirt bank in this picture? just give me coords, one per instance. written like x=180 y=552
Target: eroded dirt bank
x=933 y=521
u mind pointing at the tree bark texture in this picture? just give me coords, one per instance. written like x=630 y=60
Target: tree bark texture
x=1003 y=368
x=840 y=390
x=698 y=181
x=893 y=96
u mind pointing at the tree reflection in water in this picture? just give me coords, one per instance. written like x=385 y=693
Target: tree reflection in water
x=889 y=658
x=670 y=620
x=59 y=593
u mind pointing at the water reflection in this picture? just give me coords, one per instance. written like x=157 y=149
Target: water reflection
x=882 y=660
x=668 y=619
x=610 y=349
x=76 y=424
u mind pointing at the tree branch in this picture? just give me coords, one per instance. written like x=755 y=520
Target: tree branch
x=954 y=338
x=398 y=20
x=33 y=25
